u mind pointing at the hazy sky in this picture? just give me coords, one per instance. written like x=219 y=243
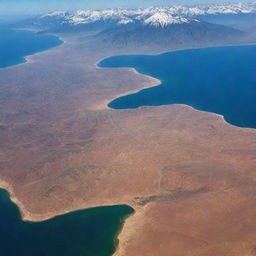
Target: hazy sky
x=39 y=6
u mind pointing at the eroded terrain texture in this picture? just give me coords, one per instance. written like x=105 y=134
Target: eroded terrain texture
x=189 y=175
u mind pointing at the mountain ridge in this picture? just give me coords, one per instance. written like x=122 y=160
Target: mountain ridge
x=163 y=15
x=153 y=25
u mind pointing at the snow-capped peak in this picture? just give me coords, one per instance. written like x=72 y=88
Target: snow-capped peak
x=163 y=19
x=55 y=14
x=125 y=21
x=154 y=16
x=90 y=16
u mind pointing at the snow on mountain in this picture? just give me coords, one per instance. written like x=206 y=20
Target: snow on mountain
x=213 y=9
x=159 y=17
x=86 y=17
x=125 y=21
x=162 y=19
x=55 y=13
x=230 y=9
x=150 y=16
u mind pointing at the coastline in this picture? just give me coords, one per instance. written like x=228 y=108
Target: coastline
x=129 y=227
x=27 y=217
x=120 y=231
x=29 y=58
x=131 y=223
x=153 y=82
x=157 y=82
x=122 y=235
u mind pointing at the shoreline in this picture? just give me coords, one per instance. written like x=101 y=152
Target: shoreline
x=29 y=58
x=119 y=232
x=160 y=52
x=130 y=226
x=157 y=82
x=24 y=214
x=153 y=82
x=27 y=216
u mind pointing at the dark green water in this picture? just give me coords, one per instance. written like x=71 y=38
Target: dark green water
x=16 y=44
x=90 y=232
x=221 y=80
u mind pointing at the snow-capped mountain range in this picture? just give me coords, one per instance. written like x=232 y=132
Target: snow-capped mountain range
x=154 y=16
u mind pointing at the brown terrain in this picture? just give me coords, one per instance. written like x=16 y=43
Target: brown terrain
x=189 y=175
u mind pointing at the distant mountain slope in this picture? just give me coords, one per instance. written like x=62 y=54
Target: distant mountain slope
x=245 y=22
x=189 y=31
x=169 y=26
x=165 y=16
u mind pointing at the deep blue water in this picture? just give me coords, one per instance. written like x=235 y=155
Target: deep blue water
x=220 y=80
x=15 y=45
x=90 y=232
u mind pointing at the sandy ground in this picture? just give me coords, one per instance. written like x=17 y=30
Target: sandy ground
x=189 y=175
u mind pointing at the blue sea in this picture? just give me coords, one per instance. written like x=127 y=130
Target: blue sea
x=90 y=232
x=15 y=45
x=221 y=80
